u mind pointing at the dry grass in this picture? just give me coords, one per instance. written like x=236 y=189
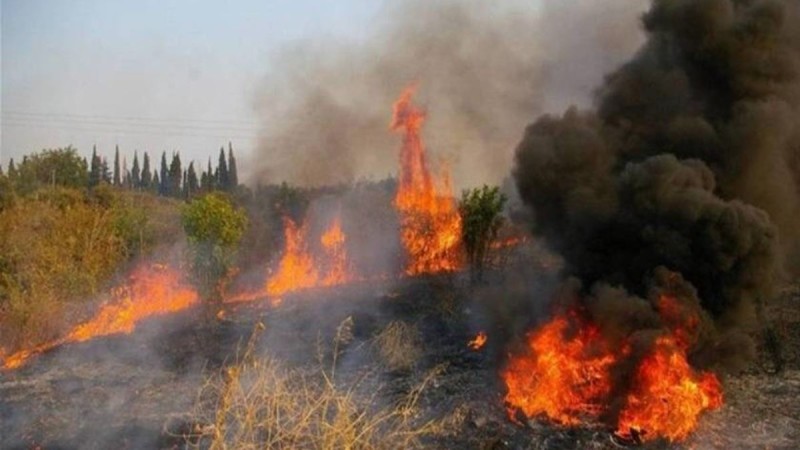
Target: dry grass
x=399 y=345
x=261 y=403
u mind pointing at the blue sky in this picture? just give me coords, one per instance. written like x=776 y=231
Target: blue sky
x=155 y=75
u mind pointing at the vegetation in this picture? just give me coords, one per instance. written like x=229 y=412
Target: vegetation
x=59 y=246
x=481 y=219
x=261 y=403
x=214 y=227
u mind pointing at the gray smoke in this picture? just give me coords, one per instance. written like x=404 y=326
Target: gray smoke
x=483 y=68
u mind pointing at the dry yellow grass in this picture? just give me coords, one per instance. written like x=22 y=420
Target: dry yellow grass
x=260 y=403
x=399 y=345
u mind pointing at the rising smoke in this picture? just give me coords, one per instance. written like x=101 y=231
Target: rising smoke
x=684 y=177
x=484 y=70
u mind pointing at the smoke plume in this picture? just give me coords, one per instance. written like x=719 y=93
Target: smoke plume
x=484 y=69
x=684 y=176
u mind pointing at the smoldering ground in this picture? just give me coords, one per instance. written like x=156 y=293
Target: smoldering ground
x=687 y=163
x=484 y=70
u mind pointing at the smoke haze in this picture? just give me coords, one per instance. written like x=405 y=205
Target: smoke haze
x=484 y=69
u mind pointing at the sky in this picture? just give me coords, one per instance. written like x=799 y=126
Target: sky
x=189 y=76
x=174 y=75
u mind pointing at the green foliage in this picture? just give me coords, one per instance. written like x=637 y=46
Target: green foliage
x=59 y=167
x=480 y=210
x=214 y=227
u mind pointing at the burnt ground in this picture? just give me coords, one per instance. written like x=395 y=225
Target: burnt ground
x=134 y=391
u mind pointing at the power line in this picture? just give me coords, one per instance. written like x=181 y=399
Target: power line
x=122 y=131
x=128 y=124
x=245 y=123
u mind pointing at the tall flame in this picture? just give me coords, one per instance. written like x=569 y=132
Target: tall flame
x=430 y=223
x=299 y=269
x=150 y=291
x=565 y=375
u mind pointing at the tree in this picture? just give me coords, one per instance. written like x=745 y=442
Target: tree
x=136 y=179
x=208 y=179
x=214 y=227
x=191 y=181
x=95 y=174
x=480 y=221
x=12 y=170
x=163 y=186
x=147 y=177
x=222 y=171
x=233 y=173
x=156 y=185
x=105 y=171
x=58 y=167
x=175 y=176
x=117 y=178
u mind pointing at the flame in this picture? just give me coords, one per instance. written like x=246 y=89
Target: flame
x=478 y=342
x=333 y=241
x=430 y=223
x=667 y=395
x=298 y=269
x=564 y=377
x=150 y=291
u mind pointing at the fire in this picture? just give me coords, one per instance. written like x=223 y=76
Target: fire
x=430 y=223
x=667 y=395
x=150 y=291
x=298 y=269
x=479 y=341
x=566 y=376
x=333 y=241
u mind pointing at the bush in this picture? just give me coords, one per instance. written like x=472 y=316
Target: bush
x=55 y=248
x=214 y=227
x=481 y=220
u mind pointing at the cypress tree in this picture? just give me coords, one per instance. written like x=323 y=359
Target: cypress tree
x=209 y=178
x=233 y=173
x=105 y=171
x=117 y=177
x=135 y=173
x=222 y=171
x=12 y=169
x=156 y=186
x=147 y=177
x=175 y=174
x=191 y=180
x=163 y=185
x=95 y=174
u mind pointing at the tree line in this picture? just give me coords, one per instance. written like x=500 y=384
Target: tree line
x=64 y=167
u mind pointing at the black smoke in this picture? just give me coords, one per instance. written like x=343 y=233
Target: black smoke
x=684 y=176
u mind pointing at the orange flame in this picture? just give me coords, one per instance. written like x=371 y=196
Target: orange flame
x=151 y=290
x=298 y=269
x=667 y=395
x=566 y=376
x=478 y=342
x=430 y=223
